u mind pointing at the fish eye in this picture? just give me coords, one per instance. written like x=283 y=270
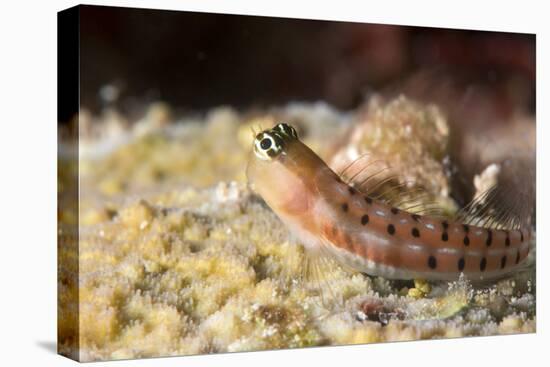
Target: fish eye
x=268 y=145
x=265 y=143
x=286 y=129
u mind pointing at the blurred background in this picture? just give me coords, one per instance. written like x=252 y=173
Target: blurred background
x=194 y=61
x=155 y=213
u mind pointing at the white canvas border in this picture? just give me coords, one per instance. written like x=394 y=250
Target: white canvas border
x=28 y=75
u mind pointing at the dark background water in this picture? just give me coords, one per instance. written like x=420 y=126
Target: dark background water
x=198 y=60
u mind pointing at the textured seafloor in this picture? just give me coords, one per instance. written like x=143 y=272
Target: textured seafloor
x=177 y=256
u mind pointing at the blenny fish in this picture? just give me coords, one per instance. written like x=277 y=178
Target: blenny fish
x=366 y=234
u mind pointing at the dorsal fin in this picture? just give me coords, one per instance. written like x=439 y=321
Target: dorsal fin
x=377 y=179
x=506 y=202
x=505 y=197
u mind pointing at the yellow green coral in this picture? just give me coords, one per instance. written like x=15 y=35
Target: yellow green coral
x=177 y=256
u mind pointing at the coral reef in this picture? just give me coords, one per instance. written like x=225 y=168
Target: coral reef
x=178 y=257
x=407 y=141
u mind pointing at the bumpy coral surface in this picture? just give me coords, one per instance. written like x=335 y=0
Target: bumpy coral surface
x=178 y=257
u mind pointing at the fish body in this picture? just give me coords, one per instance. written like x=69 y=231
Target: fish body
x=328 y=215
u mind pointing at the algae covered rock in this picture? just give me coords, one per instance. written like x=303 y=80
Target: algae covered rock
x=178 y=256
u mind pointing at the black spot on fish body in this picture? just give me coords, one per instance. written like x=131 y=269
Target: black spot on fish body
x=483 y=264
x=461 y=264
x=489 y=238
x=432 y=262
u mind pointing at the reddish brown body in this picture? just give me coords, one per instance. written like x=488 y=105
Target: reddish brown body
x=405 y=245
x=369 y=236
